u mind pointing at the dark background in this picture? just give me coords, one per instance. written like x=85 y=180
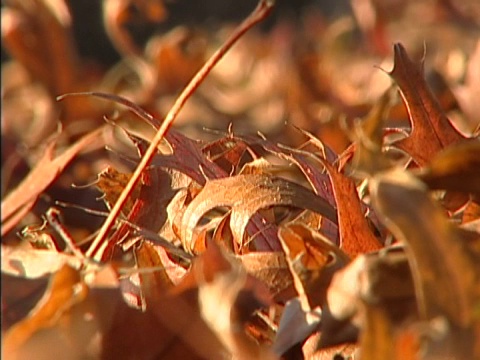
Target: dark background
x=93 y=42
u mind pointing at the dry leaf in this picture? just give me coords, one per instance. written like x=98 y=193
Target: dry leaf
x=227 y=297
x=271 y=268
x=31 y=263
x=356 y=236
x=26 y=337
x=431 y=129
x=438 y=256
x=456 y=168
x=312 y=261
x=45 y=172
x=245 y=195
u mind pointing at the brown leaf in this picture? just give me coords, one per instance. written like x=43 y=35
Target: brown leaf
x=380 y=279
x=154 y=280
x=356 y=236
x=169 y=328
x=186 y=157
x=148 y=203
x=368 y=134
x=345 y=351
x=64 y=291
x=245 y=195
x=38 y=35
x=172 y=329
x=271 y=268
x=311 y=166
x=175 y=57
x=431 y=129
x=111 y=183
x=227 y=297
x=471 y=213
x=376 y=341
x=437 y=254
x=456 y=168
x=42 y=175
x=306 y=161
x=312 y=261
x=117 y=15
x=228 y=152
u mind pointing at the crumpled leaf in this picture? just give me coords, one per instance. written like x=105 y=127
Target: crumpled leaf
x=146 y=208
x=228 y=152
x=47 y=169
x=91 y=320
x=306 y=161
x=171 y=329
x=379 y=339
x=154 y=280
x=431 y=129
x=368 y=135
x=245 y=195
x=186 y=157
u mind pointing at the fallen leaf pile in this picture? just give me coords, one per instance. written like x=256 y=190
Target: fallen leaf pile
x=298 y=208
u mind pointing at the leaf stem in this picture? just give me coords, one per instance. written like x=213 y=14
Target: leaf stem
x=261 y=12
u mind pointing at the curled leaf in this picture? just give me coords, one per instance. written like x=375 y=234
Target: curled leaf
x=245 y=195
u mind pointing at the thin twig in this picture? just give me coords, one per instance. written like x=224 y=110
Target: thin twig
x=261 y=12
x=53 y=217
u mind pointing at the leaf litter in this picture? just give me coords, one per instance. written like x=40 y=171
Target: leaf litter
x=351 y=232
